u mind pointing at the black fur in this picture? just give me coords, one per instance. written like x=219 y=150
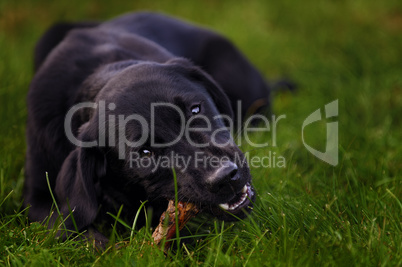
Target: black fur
x=133 y=61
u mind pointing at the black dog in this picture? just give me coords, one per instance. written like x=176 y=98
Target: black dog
x=111 y=101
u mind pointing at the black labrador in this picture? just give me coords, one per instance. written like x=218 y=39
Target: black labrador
x=118 y=110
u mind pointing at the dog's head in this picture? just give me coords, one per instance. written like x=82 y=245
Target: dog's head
x=155 y=120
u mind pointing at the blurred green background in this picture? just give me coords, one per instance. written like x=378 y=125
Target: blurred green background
x=345 y=50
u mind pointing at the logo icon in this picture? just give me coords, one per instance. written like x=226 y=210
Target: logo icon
x=331 y=150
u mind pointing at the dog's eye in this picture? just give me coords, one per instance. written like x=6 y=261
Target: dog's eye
x=195 y=109
x=145 y=153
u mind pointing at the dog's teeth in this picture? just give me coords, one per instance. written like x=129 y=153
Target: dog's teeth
x=224 y=206
x=234 y=206
x=244 y=190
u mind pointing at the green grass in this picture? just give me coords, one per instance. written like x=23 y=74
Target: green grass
x=308 y=213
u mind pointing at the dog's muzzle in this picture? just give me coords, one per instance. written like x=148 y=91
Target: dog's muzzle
x=227 y=181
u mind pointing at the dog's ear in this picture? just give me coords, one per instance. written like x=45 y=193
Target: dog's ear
x=75 y=186
x=219 y=97
x=196 y=74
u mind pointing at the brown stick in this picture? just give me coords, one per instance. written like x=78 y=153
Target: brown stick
x=166 y=227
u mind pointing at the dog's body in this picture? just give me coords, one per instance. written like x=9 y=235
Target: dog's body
x=127 y=64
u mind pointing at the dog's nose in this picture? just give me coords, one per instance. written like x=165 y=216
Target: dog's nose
x=223 y=178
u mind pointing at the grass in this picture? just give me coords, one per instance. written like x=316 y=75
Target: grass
x=307 y=213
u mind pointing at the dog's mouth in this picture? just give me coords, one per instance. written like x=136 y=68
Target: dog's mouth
x=240 y=201
x=236 y=208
